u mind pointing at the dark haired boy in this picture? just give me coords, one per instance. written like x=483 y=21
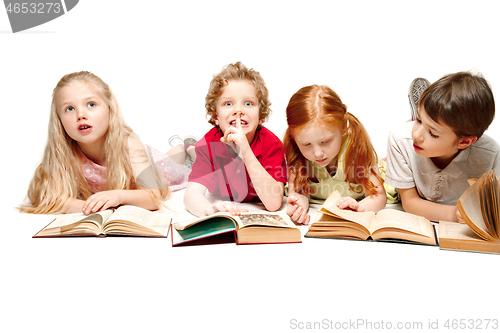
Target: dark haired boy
x=430 y=160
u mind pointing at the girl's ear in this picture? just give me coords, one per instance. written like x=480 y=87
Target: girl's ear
x=466 y=141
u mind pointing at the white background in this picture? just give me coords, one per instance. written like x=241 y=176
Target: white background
x=159 y=57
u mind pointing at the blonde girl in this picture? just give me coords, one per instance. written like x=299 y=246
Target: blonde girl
x=93 y=160
x=328 y=149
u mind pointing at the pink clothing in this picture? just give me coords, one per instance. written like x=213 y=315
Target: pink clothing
x=95 y=174
x=175 y=174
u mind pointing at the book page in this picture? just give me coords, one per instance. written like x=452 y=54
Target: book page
x=469 y=206
x=454 y=230
x=492 y=204
x=496 y=205
x=459 y=236
x=188 y=223
x=266 y=219
x=133 y=219
x=335 y=223
x=486 y=198
x=391 y=218
x=366 y=219
x=73 y=224
x=69 y=219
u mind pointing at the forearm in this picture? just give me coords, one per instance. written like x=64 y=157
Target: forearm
x=73 y=205
x=195 y=201
x=374 y=202
x=140 y=198
x=196 y=205
x=269 y=190
x=414 y=204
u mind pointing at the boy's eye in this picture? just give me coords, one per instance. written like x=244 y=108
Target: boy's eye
x=326 y=141
x=91 y=104
x=69 y=108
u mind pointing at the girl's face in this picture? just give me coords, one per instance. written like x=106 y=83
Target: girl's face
x=84 y=114
x=239 y=96
x=320 y=145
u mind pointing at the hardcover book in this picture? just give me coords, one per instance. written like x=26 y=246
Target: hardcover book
x=386 y=225
x=248 y=228
x=123 y=221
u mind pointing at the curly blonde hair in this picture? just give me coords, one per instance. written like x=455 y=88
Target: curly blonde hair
x=236 y=71
x=59 y=176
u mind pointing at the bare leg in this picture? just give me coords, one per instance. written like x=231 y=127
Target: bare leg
x=177 y=154
x=189 y=142
x=192 y=153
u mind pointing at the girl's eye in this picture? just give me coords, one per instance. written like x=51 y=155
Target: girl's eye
x=324 y=142
x=91 y=104
x=69 y=108
x=248 y=103
x=432 y=135
x=228 y=103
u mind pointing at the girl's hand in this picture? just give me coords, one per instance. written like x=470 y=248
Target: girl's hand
x=224 y=206
x=350 y=203
x=294 y=206
x=297 y=213
x=101 y=201
x=236 y=136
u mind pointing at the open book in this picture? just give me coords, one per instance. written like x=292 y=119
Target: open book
x=387 y=224
x=123 y=221
x=479 y=206
x=248 y=228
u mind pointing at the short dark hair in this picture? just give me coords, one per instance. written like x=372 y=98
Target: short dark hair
x=463 y=101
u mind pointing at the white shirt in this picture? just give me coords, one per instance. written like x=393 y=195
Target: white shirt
x=405 y=169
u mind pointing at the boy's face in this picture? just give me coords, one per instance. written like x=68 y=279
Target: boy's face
x=434 y=139
x=239 y=96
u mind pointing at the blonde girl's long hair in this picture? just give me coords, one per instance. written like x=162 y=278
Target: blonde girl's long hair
x=321 y=105
x=59 y=176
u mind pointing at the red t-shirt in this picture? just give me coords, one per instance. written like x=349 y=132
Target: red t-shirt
x=223 y=173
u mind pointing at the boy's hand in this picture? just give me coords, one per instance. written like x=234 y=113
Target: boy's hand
x=101 y=201
x=350 y=203
x=236 y=136
x=224 y=206
x=459 y=216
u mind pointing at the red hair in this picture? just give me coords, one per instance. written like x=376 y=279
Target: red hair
x=321 y=105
